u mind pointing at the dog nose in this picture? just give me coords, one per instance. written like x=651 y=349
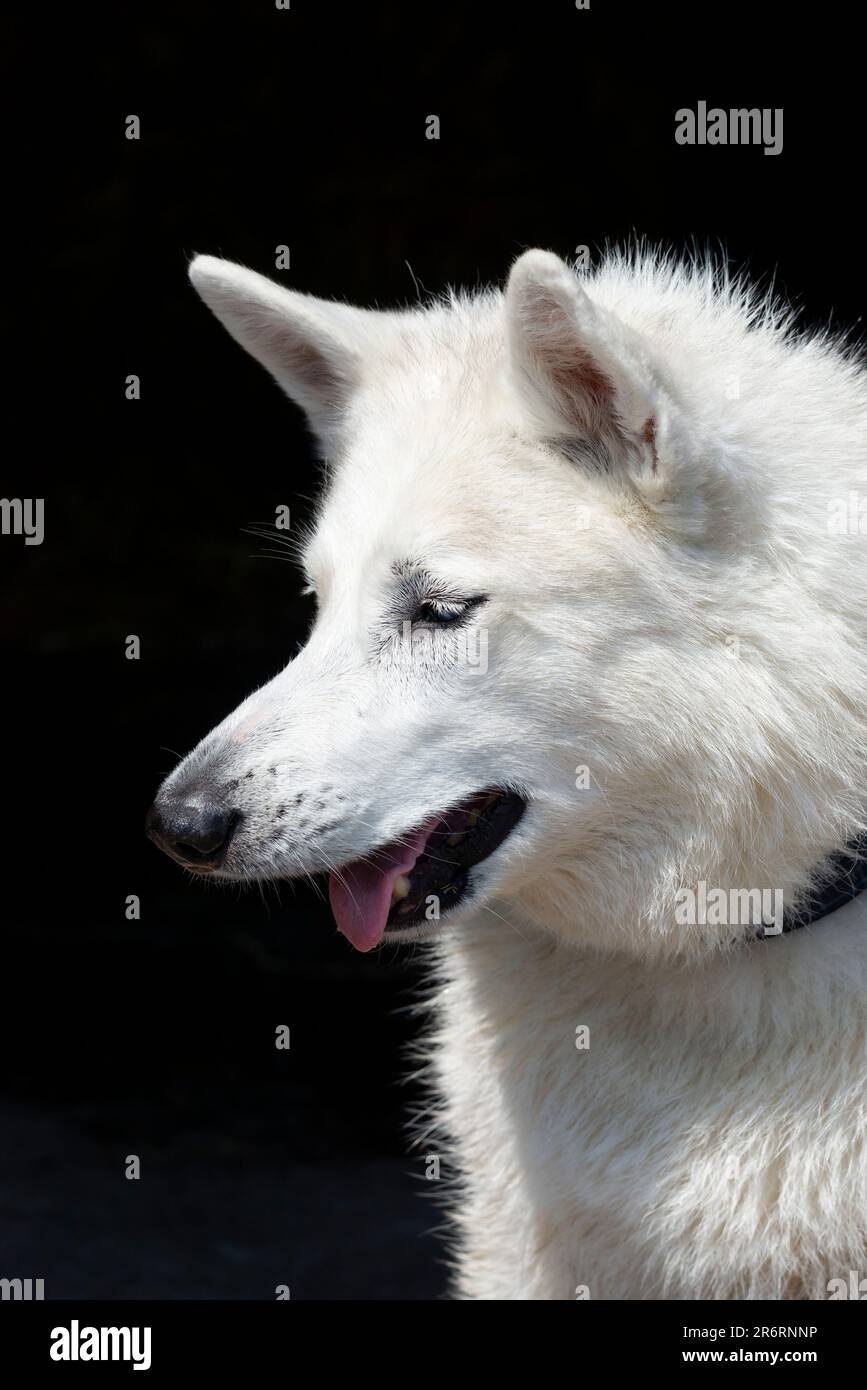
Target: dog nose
x=196 y=834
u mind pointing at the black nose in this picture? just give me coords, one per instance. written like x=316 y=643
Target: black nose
x=197 y=834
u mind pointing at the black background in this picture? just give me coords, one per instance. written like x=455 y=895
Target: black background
x=262 y=127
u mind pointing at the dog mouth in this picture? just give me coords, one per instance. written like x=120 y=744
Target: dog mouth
x=423 y=875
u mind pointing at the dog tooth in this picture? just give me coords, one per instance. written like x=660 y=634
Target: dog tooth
x=399 y=888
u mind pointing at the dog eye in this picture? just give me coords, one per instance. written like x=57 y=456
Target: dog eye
x=444 y=612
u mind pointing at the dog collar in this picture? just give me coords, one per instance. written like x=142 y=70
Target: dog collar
x=844 y=879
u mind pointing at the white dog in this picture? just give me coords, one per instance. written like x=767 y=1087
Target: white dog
x=584 y=706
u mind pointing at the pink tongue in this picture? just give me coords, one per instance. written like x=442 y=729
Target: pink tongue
x=361 y=896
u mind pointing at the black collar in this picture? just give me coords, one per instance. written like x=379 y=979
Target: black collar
x=844 y=877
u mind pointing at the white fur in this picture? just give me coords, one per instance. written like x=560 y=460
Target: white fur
x=636 y=467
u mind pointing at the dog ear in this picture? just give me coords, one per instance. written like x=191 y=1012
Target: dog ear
x=311 y=346
x=586 y=374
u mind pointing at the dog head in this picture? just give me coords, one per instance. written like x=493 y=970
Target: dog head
x=518 y=682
